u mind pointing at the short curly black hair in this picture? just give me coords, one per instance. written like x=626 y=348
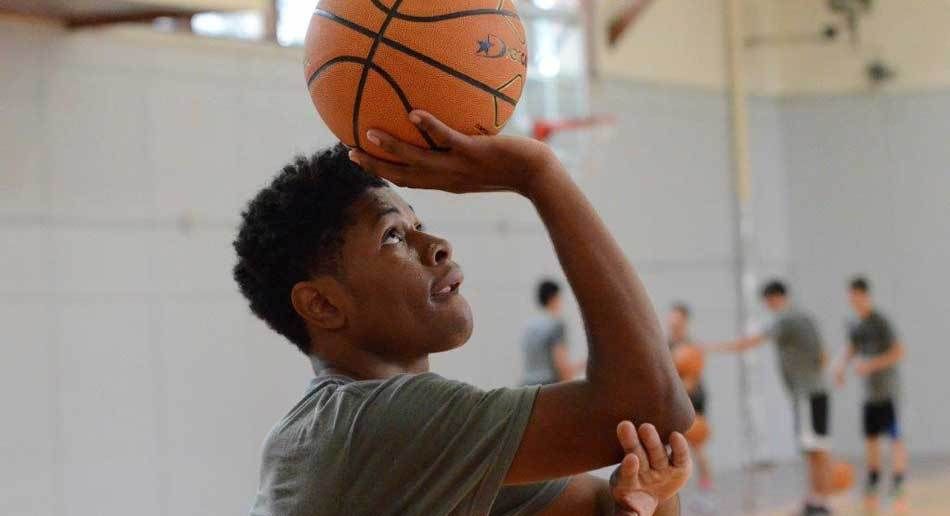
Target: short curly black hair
x=860 y=284
x=293 y=229
x=774 y=288
x=683 y=308
x=547 y=290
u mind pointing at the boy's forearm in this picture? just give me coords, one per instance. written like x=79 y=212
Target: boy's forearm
x=628 y=361
x=735 y=346
x=889 y=359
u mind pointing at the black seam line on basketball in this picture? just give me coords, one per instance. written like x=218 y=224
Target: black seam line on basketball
x=451 y=71
x=340 y=59
x=346 y=23
x=385 y=75
x=365 y=74
x=422 y=57
x=495 y=99
x=442 y=17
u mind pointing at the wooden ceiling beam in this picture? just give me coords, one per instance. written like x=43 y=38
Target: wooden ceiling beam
x=148 y=16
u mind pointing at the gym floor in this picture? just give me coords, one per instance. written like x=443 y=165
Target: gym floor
x=776 y=491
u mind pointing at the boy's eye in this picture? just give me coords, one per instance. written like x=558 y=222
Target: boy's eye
x=393 y=236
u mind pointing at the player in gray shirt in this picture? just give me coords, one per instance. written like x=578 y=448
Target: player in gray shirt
x=546 y=355
x=336 y=261
x=801 y=360
x=873 y=340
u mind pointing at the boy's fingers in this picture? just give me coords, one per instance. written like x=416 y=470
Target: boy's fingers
x=654 y=446
x=399 y=175
x=402 y=150
x=625 y=478
x=680 y=448
x=443 y=135
x=627 y=435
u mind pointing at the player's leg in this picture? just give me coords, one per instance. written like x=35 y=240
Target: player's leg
x=813 y=429
x=872 y=446
x=698 y=398
x=898 y=456
x=703 y=467
x=819 y=472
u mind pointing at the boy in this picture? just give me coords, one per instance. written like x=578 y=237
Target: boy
x=338 y=263
x=546 y=357
x=801 y=360
x=679 y=335
x=873 y=338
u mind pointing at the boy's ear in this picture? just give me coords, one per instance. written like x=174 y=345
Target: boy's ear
x=319 y=301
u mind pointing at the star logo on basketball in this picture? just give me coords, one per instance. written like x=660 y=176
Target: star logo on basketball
x=494 y=47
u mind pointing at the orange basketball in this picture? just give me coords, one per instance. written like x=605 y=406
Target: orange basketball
x=699 y=433
x=842 y=476
x=370 y=62
x=689 y=361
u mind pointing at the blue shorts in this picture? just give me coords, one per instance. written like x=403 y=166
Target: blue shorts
x=880 y=417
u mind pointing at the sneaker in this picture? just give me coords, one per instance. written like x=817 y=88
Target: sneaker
x=816 y=510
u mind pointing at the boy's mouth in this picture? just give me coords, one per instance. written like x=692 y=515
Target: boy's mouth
x=449 y=284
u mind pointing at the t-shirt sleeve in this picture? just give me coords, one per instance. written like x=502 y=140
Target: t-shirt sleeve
x=436 y=443
x=888 y=337
x=555 y=335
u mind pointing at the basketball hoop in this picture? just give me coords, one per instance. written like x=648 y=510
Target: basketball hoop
x=543 y=129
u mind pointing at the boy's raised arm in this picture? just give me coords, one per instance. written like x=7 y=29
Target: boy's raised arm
x=630 y=375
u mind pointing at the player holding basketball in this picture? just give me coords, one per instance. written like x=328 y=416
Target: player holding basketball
x=801 y=360
x=342 y=266
x=678 y=335
x=873 y=338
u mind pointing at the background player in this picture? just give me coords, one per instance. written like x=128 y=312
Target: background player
x=801 y=361
x=547 y=357
x=874 y=341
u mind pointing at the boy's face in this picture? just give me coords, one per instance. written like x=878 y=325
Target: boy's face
x=677 y=322
x=775 y=302
x=860 y=301
x=403 y=287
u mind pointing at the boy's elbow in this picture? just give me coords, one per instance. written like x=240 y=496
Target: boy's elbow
x=683 y=419
x=673 y=412
x=680 y=416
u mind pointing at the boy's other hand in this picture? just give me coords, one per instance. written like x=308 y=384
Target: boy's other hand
x=463 y=163
x=648 y=475
x=840 y=376
x=863 y=368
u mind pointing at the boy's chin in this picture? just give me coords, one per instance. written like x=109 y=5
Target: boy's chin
x=454 y=332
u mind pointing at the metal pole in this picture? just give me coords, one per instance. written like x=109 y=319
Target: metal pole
x=270 y=15
x=743 y=272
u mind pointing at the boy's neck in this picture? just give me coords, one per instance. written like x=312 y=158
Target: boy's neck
x=360 y=365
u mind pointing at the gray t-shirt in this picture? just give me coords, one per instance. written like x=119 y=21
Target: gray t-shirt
x=542 y=334
x=872 y=337
x=408 y=445
x=799 y=352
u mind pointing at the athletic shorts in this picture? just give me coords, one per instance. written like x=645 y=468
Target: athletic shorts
x=698 y=397
x=880 y=417
x=812 y=422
